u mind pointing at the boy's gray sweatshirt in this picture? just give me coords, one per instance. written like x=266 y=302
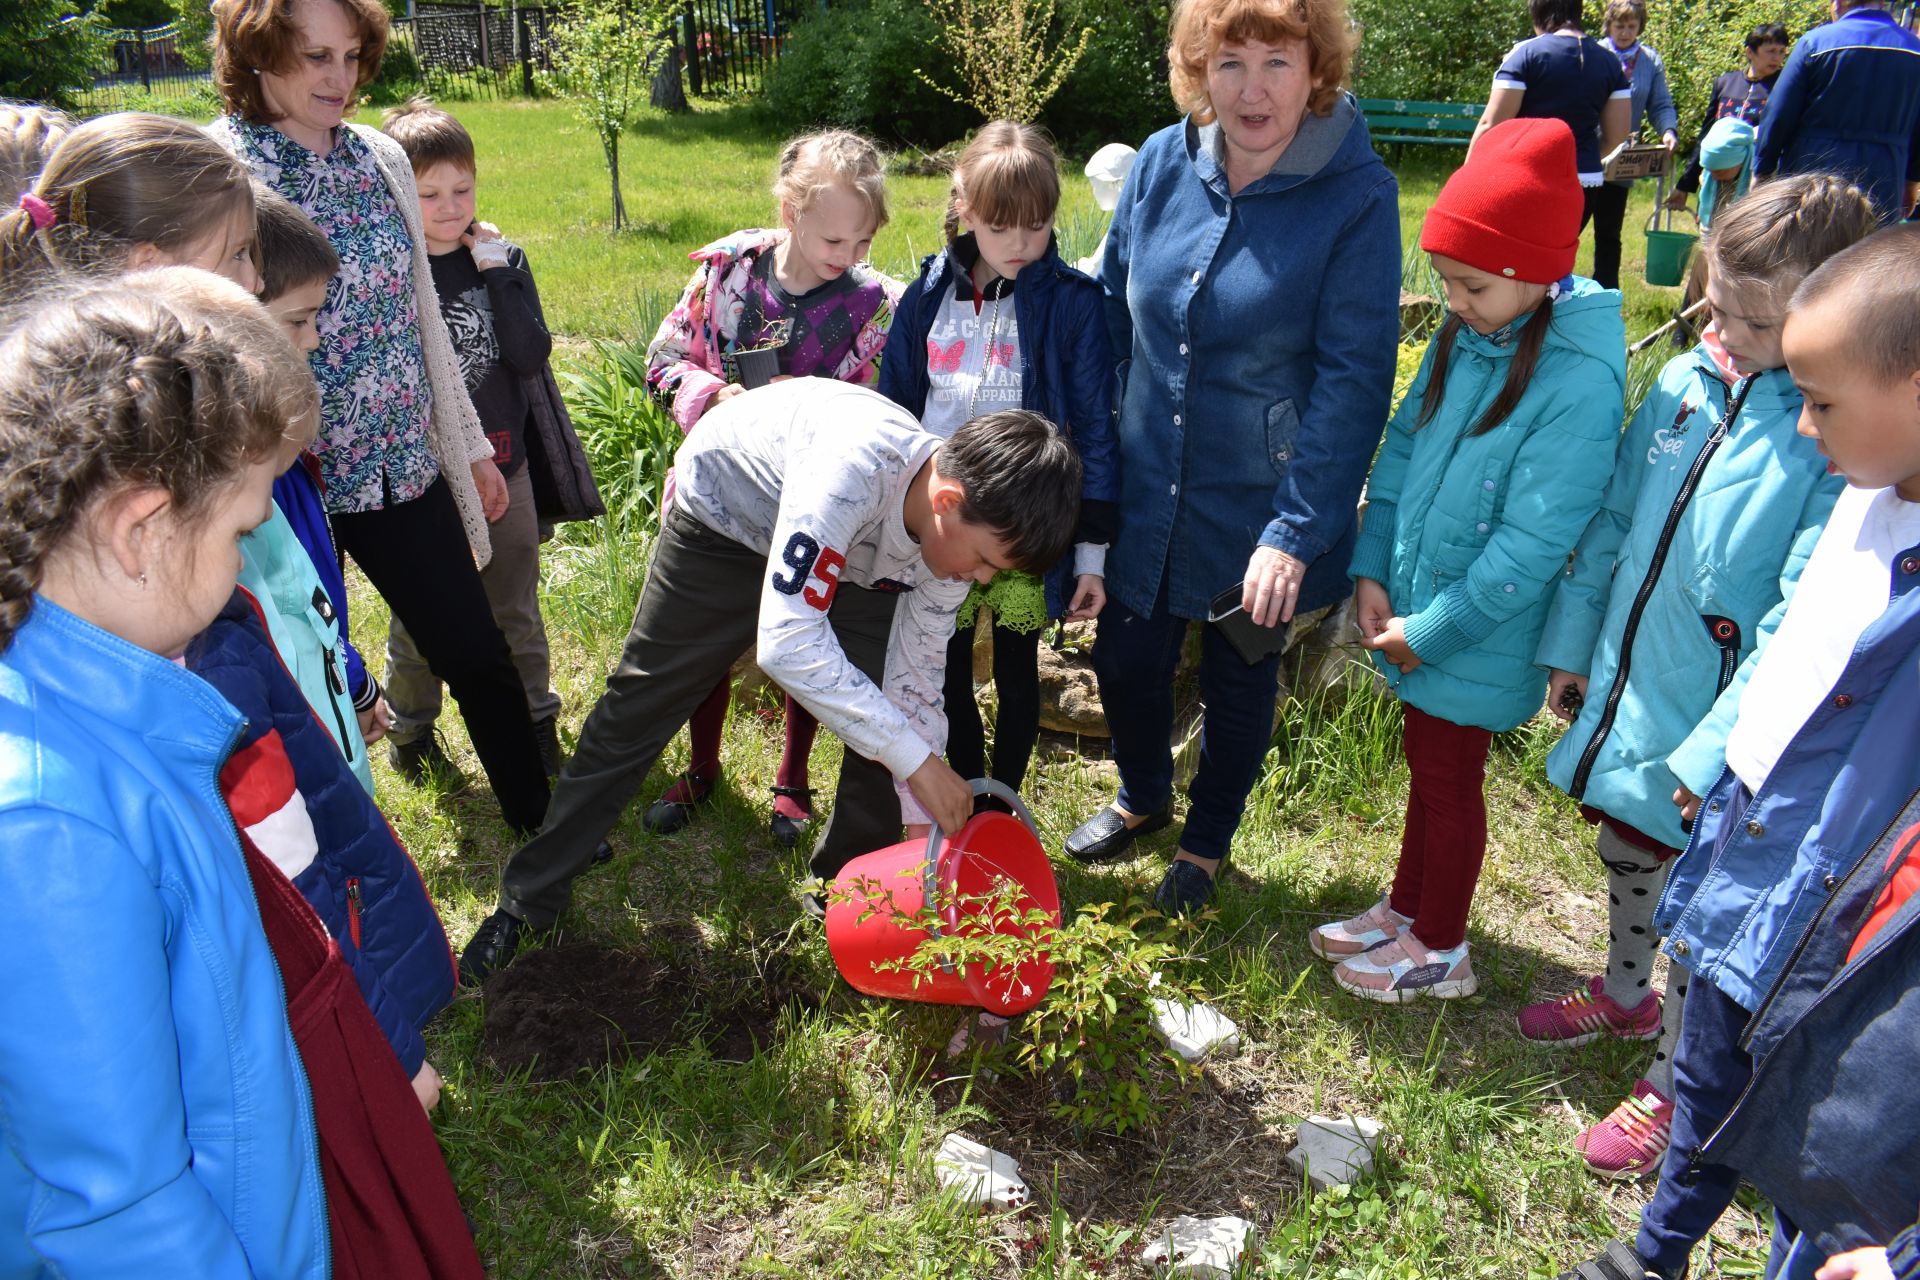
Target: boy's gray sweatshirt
x=815 y=473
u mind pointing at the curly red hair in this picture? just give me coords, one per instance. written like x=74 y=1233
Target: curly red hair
x=1200 y=27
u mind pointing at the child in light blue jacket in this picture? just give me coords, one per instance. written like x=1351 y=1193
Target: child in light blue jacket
x=1715 y=504
x=1492 y=466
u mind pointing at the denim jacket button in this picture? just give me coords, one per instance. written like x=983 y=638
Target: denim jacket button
x=1843 y=700
x=1183 y=348
x=1176 y=419
x=1755 y=828
x=1680 y=947
x=1831 y=883
x=1910 y=564
x=1196 y=277
x=1173 y=490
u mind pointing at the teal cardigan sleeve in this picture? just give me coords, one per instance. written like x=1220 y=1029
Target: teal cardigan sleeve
x=1697 y=762
x=1579 y=607
x=1373 y=549
x=1559 y=475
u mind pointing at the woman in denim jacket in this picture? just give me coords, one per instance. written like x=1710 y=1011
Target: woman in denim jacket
x=1252 y=278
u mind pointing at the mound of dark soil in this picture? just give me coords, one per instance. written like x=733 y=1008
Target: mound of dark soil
x=560 y=1010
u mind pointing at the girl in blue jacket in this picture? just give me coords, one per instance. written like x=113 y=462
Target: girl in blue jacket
x=1492 y=466
x=995 y=321
x=157 y=1119
x=1715 y=504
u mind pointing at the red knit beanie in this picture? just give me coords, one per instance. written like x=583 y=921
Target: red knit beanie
x=1513 y=209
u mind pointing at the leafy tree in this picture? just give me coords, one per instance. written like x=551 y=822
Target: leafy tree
x=1005 y=53
x=47 y=54
x=603 y=59
x=1701 y=39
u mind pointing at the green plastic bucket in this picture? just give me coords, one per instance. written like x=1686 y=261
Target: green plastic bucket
x=1667 y=254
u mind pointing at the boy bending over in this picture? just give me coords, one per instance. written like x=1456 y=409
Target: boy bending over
x=819 y=523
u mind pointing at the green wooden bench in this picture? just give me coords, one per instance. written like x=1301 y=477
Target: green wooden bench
x=1447 y=124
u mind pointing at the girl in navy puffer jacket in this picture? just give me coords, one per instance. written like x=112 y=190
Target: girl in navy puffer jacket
x=998 y=321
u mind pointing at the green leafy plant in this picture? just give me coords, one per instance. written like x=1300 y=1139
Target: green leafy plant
x=1005 y=53
x=603 y=60
x=1093 y=1032
x=629 y=437
x=49 y=55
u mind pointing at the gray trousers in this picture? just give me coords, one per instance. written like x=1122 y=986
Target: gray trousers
x=512 y=582
x=697 y=613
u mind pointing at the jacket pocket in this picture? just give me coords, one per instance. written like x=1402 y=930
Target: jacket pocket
x=1451 y=560
x=1283 y=427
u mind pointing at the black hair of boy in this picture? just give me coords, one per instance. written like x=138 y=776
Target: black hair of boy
x=1552 y=15
x=1879 y=281
x=289 y=249
x=430 y=136
x=1014 y=465
x=1768 y=33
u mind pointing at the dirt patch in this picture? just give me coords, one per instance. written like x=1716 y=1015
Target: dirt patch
x=560 y=1010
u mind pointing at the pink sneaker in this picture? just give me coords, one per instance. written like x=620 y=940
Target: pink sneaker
x=1630 y=1141
x=1589 y=1014
x=1377 y=924
x=1404 y=968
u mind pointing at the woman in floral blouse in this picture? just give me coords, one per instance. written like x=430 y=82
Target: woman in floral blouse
x=410 y=481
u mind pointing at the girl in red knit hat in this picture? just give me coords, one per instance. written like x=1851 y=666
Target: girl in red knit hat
x=1492 y=467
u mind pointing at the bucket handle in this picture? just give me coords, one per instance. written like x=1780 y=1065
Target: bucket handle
x=936 y=837
x=1661 y=219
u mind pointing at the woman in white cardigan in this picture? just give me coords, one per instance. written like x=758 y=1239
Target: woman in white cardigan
x=408 y=473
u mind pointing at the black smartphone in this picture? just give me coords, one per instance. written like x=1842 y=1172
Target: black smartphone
x=1253 y=642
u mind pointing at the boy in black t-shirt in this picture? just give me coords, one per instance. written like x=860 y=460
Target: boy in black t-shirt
x=492 y=312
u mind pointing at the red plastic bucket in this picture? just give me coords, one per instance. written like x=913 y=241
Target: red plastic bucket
x=970 y=865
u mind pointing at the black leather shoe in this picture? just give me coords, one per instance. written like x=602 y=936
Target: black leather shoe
x=1184 y=890
x=1616 y=1262
x=787 y=832
x=664 y=817
x=1105 y=836
x=491 y=947
x=424 y=757
x=546 y=736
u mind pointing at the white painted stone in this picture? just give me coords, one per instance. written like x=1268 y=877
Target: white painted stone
x=1194 y=1030
x=1330 y=1152
x=981 y=1175
x=1202 y=1247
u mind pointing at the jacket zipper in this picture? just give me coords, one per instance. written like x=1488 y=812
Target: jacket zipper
x=353 y=909
x=1695 y=1157
x=1681 y=501
x=337 y=683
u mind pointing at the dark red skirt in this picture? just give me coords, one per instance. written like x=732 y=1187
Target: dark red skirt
x=390 y=1200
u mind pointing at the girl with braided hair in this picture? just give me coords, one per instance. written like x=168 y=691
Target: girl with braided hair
x=158 y=1118
x=128 y=191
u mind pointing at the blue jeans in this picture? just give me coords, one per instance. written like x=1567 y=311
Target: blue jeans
x=1709 y=1071
x=1134 y=659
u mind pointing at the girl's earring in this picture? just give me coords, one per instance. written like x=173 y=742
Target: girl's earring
x=143 y=579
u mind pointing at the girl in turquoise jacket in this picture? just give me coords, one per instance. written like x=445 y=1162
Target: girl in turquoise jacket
x=1492 y=466
x=1715 y=505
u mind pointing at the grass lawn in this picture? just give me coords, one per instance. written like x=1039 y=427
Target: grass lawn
x=774 y=1123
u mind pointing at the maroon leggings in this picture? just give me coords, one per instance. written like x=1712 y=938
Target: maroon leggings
x=703 y=756
x=1446 y=836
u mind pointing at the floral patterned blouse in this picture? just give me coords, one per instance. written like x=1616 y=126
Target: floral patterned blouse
x=375 y=400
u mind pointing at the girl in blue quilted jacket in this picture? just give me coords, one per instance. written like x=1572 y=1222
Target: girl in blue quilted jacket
x=997 y=320
x=1677 y=585
x=1491 y=468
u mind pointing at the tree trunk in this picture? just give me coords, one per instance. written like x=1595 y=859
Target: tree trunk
x=612 y=145
x=669 y=91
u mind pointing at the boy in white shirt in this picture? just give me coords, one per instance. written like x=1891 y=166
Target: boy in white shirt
x=805 y=512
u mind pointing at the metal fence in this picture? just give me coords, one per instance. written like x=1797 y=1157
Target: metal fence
x=142 y=67
x=725 y=47
x=465 y=51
